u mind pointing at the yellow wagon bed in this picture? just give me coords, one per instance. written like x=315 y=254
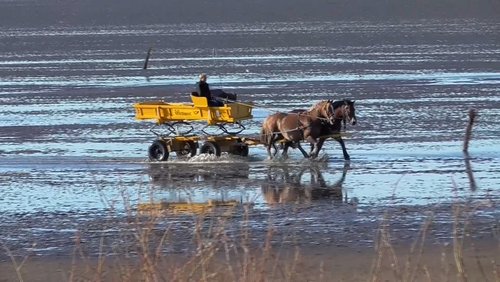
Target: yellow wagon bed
x=199 y=110
x=176 y=118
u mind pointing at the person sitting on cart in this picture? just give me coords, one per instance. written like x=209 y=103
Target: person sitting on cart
x=204 y=91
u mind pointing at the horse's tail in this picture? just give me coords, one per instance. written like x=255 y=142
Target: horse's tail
x=264 y=135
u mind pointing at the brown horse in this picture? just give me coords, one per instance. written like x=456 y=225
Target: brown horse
x=306 y=121
x=344 y=111
x=270 y=133
x=329 y=125
x=307 y=125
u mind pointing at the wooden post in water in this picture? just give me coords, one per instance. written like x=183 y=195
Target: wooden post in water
x=468 y=135
x=147 y=58
x=468 y=130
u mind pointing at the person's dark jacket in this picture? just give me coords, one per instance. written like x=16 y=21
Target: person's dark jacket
x=203 y=90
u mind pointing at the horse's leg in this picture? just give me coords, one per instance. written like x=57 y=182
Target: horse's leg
x=314 y=144
x=270 y=142
x=268 y=148
x=273 y=143
x=306 y=134
x=279 y=138
x=275 y=149
x=285 y=150
x=344 y=151
x=267 y=138
x=302 y=150
x=319 y=146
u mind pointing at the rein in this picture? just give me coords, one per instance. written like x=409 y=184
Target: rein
x=315 y=111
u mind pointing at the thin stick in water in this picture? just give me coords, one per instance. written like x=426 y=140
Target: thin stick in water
x=146 y=62
x=468 y=130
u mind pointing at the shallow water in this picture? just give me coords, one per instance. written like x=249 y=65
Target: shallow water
x=69 y=142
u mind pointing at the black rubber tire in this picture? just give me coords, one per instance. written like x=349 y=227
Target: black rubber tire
x=189 y=150
x=240 y=149
x=158 y=151
x=211 y=148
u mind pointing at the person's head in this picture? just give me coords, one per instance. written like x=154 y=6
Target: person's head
x=203 y=77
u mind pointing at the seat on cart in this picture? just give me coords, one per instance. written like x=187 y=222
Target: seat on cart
x=199 y=101
x=220 y=94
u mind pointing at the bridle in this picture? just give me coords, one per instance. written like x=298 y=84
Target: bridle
x=330 y=112
x=346 y=110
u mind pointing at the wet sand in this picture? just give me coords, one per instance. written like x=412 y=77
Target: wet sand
x=36 y=13
x=479 y=261
x=344 y=245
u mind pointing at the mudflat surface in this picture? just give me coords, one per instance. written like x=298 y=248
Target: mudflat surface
x=73 y=161
x=281 y=264
x=34 y=13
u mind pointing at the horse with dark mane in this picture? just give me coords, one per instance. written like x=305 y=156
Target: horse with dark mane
x=296 y=126
x=344 y=111
x=324 y=120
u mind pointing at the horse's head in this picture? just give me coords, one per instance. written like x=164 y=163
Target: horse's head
x=349 y=111
x=344 y=111
x=325 y=110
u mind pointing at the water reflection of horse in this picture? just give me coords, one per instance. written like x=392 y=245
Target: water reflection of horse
x=322 y=121
x=283 y=186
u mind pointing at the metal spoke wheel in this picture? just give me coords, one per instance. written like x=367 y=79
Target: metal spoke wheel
x=188 y=150
x=211 y=148
x=158 y=151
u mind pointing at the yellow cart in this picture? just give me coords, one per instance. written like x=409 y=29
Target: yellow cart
x=162 y=112
x=173 y=116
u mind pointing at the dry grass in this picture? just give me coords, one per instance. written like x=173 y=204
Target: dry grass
x=219 y=256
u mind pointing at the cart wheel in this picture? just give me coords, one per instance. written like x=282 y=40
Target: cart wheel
x=188 y=150
x=211 y=148
x=158 y=151
x=240 y=149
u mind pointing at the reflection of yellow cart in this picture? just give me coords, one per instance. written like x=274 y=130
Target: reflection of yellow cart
x=177 y=118
x=188 y=208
